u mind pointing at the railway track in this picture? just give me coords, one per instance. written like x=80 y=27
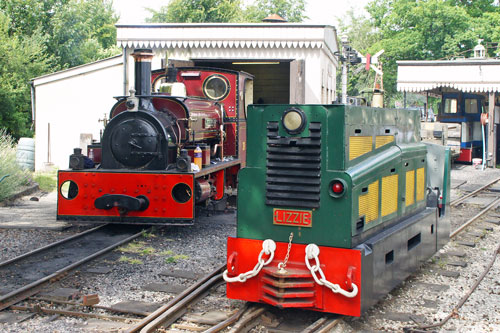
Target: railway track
x=26 y=275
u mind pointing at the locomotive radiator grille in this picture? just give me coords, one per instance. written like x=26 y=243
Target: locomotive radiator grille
x=368 y=203
x=293 y=168
x=389 y=199
x=420 y=184
x=410 y=188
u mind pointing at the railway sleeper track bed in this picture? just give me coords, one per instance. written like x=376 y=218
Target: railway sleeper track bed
x=427 y=297
x=27 y=274
x=448 y=286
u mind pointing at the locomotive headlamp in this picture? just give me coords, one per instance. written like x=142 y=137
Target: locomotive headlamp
x=294 y=120
x=337 y=188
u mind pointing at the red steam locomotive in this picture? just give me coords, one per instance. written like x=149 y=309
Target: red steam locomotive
x=142 y=172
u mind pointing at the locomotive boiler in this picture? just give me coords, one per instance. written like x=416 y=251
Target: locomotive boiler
x=336 y=206
x=142 y=170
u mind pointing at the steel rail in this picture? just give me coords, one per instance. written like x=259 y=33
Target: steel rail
x=475 y=217
x=46 y=247
x=34 y=287
x=94 y=306
x=459 y=200
x=38 y=309
x=242 y=324
x=454 y=311
x=229 y=321
x=176 y=311
x=216 y=275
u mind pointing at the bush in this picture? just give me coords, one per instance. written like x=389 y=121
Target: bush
x=8 y=166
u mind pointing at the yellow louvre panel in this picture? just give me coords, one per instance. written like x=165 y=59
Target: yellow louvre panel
x=368 y=203
x=420 y=184
x=359 y=145
x=389 y=195
x=382 y=140
x=410 y=187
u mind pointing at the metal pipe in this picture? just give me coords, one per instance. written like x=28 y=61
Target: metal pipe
x=33 y=100
x=125 y=71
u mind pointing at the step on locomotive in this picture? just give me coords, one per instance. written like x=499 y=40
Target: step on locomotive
x=336 y=206
x=142 y=172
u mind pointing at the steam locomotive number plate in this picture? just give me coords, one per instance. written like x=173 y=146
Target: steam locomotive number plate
x=297 y=218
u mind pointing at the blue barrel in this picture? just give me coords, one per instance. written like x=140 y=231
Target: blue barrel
x=26 y=153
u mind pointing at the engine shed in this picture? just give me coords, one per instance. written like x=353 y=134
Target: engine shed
x=291 y=63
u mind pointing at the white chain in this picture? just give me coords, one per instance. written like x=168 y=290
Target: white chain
x=268 y=248
x=312 y=252
x=282 y=265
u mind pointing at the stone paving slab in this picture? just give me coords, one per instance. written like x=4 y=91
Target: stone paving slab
x=180 y=273
x=208 y=318
x=62 y=294
x=165 y=288
x=135 y=306
x=451 y=274
x=99 y=325
x=438 y=288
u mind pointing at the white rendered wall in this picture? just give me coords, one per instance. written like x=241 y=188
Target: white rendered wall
x=72 y=104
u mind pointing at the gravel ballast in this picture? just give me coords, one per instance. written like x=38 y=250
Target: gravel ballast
x=201 y=248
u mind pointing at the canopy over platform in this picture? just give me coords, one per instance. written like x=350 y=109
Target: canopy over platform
x=436 y=76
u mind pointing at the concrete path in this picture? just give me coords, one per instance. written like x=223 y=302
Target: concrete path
x=27 y=213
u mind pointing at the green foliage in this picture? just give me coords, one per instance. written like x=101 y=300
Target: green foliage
x=46 y=181
x=198 y=11
x=23 y=57
x=129 y=260
x=429 y=30
x=290 y=10
x=218 y=11
x=29 y=16
x=174 y=259
x=83 y=31
x=8 y=166
x=39 y=37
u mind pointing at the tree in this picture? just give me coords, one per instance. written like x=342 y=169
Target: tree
x=431 y=30
x=290 y=10
x=418 y=30
x=23 y=57
x=28 y=16
x=42 y=36
x=362 y=35
x=197 y=11
x=83 y=31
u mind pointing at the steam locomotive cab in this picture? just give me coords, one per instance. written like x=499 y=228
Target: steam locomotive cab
x=162 y=152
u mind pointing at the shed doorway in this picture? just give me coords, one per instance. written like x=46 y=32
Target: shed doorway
x=271 y=83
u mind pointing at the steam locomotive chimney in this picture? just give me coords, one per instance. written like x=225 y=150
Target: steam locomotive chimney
x=143 y=59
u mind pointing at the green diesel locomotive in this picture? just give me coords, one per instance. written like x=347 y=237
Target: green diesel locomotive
x=336 y=206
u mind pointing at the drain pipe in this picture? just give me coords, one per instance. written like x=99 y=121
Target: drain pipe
x=484 y=121
x=32 y=84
